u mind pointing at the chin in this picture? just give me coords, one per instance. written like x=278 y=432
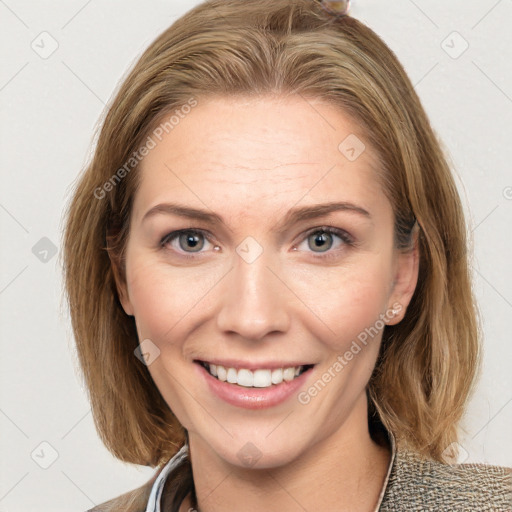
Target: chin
x=250 y=450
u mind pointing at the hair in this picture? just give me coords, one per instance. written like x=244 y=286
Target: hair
x=427 y=363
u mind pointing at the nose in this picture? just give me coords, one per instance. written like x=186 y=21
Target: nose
x=254 y=300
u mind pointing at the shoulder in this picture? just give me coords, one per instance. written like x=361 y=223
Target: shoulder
x=133 y=501
x=421 y=484
x=137 y=500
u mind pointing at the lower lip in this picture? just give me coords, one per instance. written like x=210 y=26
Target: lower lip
x=253 y=398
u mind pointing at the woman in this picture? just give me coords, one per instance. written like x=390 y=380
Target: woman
x=267 y=276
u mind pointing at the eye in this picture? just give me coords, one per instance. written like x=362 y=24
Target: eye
x=187 y=240
x=323 y=239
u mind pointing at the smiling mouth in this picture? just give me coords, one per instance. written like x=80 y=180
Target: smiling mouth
x=260 y=378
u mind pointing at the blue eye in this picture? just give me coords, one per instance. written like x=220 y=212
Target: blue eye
x=323 y=238
x=192 y=241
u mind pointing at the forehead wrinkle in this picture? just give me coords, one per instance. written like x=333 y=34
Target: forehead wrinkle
x=285 y=178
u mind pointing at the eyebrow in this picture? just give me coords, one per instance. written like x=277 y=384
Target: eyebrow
x=293 y=216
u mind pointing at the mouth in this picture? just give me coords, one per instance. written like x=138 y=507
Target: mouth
x=255 y=378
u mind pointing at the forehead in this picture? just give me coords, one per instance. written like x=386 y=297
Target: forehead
x=258 y=152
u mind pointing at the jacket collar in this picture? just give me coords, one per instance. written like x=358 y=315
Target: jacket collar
x=155 y=496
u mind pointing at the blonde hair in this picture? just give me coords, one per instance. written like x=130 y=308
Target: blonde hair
x=428 y=362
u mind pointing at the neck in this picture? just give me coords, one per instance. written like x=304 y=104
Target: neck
x=344 y=471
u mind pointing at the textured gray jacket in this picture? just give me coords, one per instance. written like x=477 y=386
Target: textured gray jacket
x=413 y=484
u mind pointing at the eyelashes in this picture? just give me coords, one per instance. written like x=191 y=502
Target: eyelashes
x=199 y=239
x=175 y=235
x=344 y=237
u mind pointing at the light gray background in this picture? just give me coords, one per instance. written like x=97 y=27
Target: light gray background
x=49 y=107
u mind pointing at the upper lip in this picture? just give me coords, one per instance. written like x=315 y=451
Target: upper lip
x=253 y=365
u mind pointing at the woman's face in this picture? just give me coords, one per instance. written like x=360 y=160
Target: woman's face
x=252 y=282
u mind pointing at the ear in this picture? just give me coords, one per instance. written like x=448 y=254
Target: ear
x=405 y=279
x=122 y=289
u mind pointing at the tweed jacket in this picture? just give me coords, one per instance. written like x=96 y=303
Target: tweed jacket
x=413 y=484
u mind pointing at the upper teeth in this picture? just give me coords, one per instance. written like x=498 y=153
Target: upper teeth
x=258 y=378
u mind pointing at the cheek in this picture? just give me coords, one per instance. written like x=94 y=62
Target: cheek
x=345 y=302
x=166 y=300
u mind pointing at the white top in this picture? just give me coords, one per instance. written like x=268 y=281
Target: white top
x=155 y=497
x=158 y=487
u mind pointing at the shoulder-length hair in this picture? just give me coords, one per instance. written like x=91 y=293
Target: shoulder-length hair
x=427 y=363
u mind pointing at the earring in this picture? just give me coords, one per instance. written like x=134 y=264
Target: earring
x=391 y=314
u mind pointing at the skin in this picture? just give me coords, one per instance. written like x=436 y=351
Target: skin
x=250 y=160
